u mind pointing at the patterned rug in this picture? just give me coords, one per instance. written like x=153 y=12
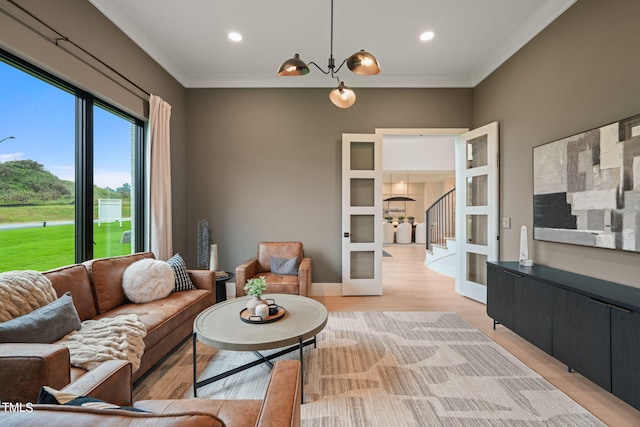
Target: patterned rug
x=390 y=369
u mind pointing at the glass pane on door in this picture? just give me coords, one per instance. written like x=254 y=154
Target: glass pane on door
x=362 y=192
x=477 y=268
x=477 y=190
x=477 y=152
x=362 y=228
x=477 y=229
x=362 y=156
x=362 y=265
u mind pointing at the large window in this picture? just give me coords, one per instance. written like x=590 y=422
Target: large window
x=70 y=173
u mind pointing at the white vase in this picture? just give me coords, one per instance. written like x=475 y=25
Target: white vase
x=262 y=310
x=253 y=303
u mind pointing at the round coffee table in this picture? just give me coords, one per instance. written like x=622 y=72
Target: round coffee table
x=220 y=326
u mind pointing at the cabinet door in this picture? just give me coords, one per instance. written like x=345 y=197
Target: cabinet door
x=581 y=335
x=625 y=362
x=500 y=295
x=532 y=314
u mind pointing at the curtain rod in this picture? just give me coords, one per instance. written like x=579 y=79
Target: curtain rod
x=62 y=38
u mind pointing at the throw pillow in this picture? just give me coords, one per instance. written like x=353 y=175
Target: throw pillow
x=183 y=281
x=147 y=280
x=44 y=325
x=286 y=266
x=50 y=396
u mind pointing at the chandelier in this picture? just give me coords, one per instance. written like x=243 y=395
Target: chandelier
x=362 y=62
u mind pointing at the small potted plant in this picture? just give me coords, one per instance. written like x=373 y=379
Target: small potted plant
x=411 y=219
x=388 y=218
x=255 y=287
x=400 y=219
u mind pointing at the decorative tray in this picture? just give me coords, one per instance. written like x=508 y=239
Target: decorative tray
x=248 y=318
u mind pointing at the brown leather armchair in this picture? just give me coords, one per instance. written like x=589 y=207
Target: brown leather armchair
x=299 y=283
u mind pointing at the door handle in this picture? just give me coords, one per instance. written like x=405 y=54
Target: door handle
x=346 y=234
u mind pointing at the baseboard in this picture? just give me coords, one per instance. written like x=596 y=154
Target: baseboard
x=326 y=289
x=443 y=269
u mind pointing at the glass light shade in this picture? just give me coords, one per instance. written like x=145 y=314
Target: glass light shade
x=363 y=63
x=293 y=67
x=342 y=96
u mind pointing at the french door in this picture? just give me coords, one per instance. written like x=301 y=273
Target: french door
x=476 y=209
x=361 y=214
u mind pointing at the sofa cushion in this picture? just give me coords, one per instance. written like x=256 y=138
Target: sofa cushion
x=147 y=280
x=106 y=276
x=182 y=279
x=239 y=412
x=285 y=266
x=75 y=279
x=65 y=416
x=43 y=325
x=164 y=316
x=50 y=396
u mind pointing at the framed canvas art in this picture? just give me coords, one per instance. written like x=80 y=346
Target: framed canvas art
x=586 y=188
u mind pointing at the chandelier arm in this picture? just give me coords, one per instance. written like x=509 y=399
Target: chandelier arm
x=343 y=62
x=319 y=68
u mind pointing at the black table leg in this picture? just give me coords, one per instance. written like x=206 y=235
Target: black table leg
x=261 y=359
x=264 y=359
x=301 y=345
x=195 y=371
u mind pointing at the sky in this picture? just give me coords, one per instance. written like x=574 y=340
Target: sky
x=41 y=118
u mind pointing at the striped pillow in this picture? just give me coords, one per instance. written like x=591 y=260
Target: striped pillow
x=183 y=281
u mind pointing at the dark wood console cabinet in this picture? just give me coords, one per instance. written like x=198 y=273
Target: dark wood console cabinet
x=591 y=325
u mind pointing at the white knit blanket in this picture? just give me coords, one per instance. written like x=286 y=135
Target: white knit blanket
x=21 y=292
x=108 y=338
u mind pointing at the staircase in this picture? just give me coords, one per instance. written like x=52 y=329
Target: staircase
x=441 y=235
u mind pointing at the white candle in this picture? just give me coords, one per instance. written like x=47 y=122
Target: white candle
x=213 y=258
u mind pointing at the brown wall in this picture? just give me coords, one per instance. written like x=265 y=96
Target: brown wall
x=579 y=73
x=83 y=24
x=265 y=164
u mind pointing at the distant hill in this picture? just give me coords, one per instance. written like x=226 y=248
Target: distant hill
x=27 y=182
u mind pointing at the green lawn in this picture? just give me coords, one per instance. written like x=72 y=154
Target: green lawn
x=49 y=212
x=44 y=248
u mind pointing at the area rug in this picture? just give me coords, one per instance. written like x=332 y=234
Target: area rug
x=391 y=369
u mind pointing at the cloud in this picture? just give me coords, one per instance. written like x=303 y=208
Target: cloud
x=11 y=156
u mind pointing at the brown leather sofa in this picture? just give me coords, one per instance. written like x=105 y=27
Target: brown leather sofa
x=276 y=283
x=279 y=408
x=96 y=289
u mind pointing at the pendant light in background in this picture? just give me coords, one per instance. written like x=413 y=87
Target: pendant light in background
x=399 y=198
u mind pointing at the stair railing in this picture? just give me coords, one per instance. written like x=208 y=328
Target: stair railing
x=441 y=220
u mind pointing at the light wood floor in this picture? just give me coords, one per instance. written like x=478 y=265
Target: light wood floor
x=409 y=285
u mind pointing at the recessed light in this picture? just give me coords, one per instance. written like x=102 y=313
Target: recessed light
x=236 y=37
x=427 y=35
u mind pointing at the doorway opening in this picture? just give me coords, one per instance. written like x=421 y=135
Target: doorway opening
x=418 y=168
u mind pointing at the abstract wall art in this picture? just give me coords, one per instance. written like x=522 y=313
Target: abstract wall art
x=586 y=188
